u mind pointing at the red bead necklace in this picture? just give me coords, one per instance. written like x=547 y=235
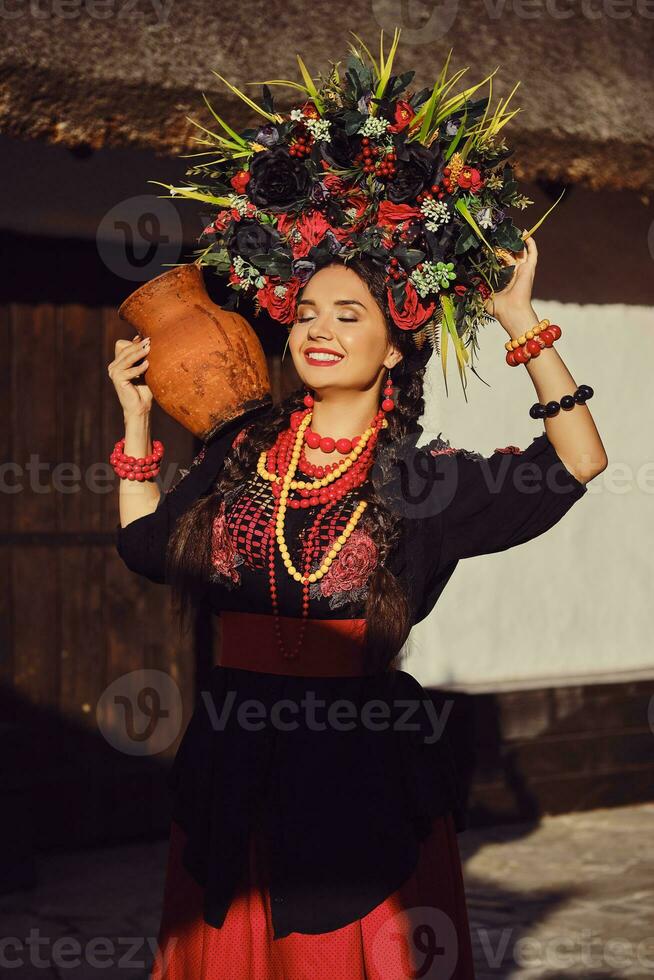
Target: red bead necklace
x=278 y=460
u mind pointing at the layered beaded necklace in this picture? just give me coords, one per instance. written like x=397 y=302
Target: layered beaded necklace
x=329 y=485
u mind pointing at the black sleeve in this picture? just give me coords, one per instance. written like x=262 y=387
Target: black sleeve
x=142 y=544
x=490 y=504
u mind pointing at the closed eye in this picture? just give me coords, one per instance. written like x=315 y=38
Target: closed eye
x=343 y=319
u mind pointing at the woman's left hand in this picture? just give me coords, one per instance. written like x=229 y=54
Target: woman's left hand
x=513 y=303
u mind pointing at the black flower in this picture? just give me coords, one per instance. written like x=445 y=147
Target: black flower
x=341 y=148
x=277 y=181
x=416 y=165
x=251 y=238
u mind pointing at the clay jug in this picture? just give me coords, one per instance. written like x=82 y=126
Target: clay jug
x=206 y=365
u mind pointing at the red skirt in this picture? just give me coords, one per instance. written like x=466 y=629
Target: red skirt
x=421 y=930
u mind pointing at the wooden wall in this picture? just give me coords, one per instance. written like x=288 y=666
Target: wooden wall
x=73 y=618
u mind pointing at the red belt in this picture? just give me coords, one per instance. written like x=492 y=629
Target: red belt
x=330 y=647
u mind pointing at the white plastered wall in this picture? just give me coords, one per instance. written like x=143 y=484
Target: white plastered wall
x=575 y=604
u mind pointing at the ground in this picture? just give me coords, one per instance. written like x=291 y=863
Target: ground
x=569 y=899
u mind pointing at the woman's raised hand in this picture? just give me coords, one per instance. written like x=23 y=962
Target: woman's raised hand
x=512 y=303
x=136 y=399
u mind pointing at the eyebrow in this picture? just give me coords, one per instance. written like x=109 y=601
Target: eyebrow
x=339 y=302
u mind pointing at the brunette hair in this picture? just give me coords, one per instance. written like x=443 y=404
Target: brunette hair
x=387 y=609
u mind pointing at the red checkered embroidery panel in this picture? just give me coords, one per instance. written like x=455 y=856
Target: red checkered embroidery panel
x=249 y=523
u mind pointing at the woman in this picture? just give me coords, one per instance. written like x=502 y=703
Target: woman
x=315 y=807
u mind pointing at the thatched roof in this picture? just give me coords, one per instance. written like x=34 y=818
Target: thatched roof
x=131 y=80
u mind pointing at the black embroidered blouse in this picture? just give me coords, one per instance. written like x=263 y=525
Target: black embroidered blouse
x=344 y=811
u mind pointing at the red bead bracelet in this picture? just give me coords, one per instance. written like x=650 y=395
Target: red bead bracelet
x=136 y=467
x=533 y=347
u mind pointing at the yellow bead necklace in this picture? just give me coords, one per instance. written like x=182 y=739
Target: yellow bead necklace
x=289 y=483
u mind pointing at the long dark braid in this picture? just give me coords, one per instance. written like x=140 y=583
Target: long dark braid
x=387 y=608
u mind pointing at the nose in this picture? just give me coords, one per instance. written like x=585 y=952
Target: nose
x=319 y=326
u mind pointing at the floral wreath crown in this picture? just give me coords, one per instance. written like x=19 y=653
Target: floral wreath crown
x=416 y=181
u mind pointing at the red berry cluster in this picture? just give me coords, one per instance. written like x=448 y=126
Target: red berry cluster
x=395 y=270
x=447 y=183
x=375 y=160
x=136 y=468
x=302 y=146
x=434 y=191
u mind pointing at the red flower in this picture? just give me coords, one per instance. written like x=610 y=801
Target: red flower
x=334 y=184
x=309 y=110
x=281 y=308
x=221 y=220
x=414 y=313
x=223 y=551
x=303 y=232
x=312 y=226
x=394 y=214
x=404 y=113
x=470 y=179
x=240 y=181
x=460 y=289
x=510 y=449
x=355 y=563
x=484 y=290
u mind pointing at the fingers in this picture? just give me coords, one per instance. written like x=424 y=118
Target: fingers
x=129 y=352
x=532 y=250
x=129 y=373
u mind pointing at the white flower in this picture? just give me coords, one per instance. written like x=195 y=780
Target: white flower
x=280 y=291
x=319 y=128
x=437 y=212
x=374 y=126
x=484 y=217
x=296 y=115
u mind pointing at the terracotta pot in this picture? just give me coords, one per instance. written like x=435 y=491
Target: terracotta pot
x=207 y=366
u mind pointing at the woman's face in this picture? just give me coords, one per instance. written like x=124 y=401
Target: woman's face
x=337 y=313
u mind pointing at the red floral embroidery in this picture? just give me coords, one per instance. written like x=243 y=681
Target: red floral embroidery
x=223 y=552
x=239 y=438
x=447 y=452
x=354 y=565
x=510 y=449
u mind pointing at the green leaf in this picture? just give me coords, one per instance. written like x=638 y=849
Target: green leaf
x=398 y=83
x=462 y=208
x=457 y=139
x=228 y=129
x=192 y=194
x=366 y=49
x=310 y=84
x=507 y=235
x=541 y=220
x=466 y=240
x=245 y=98
x=461 y=352
x=267 y=99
